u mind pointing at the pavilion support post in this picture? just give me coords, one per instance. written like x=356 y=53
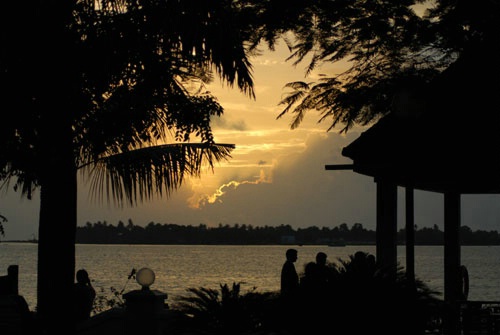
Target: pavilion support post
x=452 y=286
x=386 y=233
x=410 y=234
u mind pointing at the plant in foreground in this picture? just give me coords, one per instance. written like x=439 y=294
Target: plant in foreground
x=104 y=301
x=360 y=297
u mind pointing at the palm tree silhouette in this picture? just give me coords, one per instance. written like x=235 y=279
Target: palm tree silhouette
x=114 y=89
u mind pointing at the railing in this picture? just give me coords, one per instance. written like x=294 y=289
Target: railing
x=480 y=317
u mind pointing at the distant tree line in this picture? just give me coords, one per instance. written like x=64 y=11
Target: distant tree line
x=168 y=233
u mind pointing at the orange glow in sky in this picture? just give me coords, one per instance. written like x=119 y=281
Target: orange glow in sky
x=276 y=175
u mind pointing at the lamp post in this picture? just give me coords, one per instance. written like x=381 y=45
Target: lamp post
x=145 y=308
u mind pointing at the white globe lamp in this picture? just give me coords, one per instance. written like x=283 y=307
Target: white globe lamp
x=145 y=277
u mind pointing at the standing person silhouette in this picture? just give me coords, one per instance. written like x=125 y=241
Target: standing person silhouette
x=83 y=295
x=324 y=272
x=289 y=276
x=291 y=298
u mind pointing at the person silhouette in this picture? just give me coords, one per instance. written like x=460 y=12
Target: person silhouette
x=83 y=295
x=321 y=258
x=308 y=282
x=323 y=272
x=289 y=276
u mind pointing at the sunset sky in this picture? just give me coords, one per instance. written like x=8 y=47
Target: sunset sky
x=276 y=175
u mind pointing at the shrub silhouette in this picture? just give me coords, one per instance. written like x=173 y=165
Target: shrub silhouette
x=360 y=297
x=227 y=311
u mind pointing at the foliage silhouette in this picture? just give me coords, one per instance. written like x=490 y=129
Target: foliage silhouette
x=109 y=79
x=362 y=299
x=390 y=52
x=156 y=233
x=104 y=301
x=228 y=311
x=124 y=76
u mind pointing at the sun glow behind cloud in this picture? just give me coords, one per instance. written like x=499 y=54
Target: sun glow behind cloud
x=201 y=200
x=275 y=175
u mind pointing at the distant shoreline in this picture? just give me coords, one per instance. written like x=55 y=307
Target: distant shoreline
x=284 y=244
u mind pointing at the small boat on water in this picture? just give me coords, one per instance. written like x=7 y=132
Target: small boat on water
x=337 y=243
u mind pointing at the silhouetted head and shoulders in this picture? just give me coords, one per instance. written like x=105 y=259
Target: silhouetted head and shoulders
x=291 y=255
x=321 y=258
x=326 y=271
x=83 y=295
x=309 y=279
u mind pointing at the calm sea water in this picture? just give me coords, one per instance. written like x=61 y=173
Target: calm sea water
x=179 y=267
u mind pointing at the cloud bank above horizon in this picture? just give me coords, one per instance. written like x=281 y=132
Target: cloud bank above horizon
x=276 y=176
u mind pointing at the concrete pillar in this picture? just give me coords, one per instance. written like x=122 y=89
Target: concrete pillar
x=145 y=312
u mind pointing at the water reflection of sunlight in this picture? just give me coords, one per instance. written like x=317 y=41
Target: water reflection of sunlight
x=178 y=267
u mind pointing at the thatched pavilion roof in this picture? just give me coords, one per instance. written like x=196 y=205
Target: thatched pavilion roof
x=445 y=135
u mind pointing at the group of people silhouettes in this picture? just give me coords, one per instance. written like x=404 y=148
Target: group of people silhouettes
x=322 y=289
x=315 y=293
x=300 y=292
x=315 y=277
